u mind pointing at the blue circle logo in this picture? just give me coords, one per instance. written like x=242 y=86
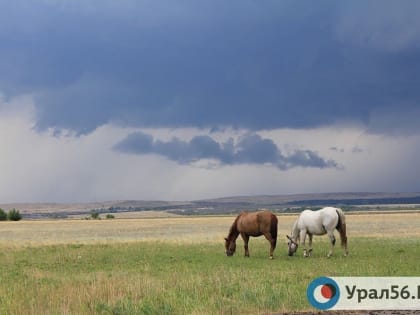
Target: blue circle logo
x=323 y=293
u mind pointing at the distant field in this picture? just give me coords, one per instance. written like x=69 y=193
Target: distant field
x=183 y=229
x=178 y=266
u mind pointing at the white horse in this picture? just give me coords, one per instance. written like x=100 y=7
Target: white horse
x=319 y=222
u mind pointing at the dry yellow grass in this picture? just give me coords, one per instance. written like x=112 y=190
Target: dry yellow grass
x=384 y=224
x=183 y=229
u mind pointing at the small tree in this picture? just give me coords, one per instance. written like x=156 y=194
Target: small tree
x=14 y=215
x=3 y=215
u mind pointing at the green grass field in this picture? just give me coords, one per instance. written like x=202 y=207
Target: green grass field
x=150 y=277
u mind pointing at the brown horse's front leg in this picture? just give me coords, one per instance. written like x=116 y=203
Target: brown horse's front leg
x=246 y=240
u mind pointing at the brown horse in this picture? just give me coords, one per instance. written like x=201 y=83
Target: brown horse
x=252 y=224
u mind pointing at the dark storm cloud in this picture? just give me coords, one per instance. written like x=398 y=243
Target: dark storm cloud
x=240 y=63
x=249 y=149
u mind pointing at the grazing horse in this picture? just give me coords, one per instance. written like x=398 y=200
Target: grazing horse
x=320 y=222
x=252 y=224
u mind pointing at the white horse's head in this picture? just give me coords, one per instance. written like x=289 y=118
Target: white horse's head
x=292 y=245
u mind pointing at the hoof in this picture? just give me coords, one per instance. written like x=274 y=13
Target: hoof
x=271 y=257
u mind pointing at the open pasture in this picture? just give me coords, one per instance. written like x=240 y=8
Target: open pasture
x=178 y=265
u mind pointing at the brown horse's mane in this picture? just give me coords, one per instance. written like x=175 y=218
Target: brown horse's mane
x=233 y=232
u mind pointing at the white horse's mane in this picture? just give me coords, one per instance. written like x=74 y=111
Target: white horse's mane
x=295 y=231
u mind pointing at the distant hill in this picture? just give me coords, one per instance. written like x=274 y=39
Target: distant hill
x=279 y=203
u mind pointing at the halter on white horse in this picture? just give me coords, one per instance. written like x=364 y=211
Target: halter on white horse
x=319 y=222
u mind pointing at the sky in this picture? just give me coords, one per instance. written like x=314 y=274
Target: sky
x=140 y=99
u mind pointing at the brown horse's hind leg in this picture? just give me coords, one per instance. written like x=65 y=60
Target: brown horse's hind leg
x=272 y=243
x=246 y=240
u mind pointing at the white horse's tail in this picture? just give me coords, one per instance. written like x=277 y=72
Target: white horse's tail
x=341 y=227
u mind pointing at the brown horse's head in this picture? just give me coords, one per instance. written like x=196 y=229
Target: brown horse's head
x=230 y=246
x=293 y=246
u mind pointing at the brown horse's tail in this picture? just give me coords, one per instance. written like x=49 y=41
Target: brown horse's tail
x=341 y=227
x=273 y=228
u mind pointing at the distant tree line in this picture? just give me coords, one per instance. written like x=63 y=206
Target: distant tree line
x=12 y=215
x=95 y=215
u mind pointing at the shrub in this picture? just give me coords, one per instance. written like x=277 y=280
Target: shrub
x=3 y=215
x=14 y=215
x=110 y=216
x=95 y=215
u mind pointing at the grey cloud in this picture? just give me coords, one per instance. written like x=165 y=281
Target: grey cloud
x=249 y=149
x=309 y=159
x=357 y=150
x=336 y=149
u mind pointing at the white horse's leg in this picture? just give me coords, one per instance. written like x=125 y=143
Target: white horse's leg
x=332 y=239
x=310 y=244
x=303 y=238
